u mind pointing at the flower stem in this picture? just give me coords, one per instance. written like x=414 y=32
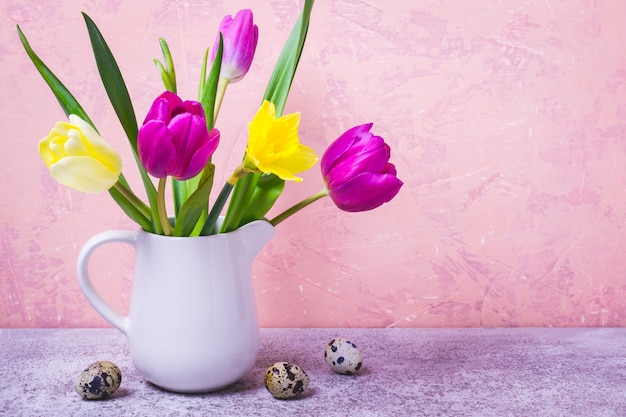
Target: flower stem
x=133 y=199
x=165 y=223
x=294 y=209
x=209 y=225
x=136 y=209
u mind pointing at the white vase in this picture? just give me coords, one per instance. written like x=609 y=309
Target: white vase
x=192 y=323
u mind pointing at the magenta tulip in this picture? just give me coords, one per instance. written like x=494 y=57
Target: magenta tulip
x=174 y=139
x=357 y=171
x=240 y=37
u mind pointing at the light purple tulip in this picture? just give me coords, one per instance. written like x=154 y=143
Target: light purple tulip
x=357 y=171
x=174 y=139
x=240 y=38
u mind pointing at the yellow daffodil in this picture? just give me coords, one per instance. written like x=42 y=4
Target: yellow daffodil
x=79 y=158
x=273 y=145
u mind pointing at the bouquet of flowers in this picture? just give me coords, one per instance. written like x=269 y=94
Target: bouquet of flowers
x=178 y=137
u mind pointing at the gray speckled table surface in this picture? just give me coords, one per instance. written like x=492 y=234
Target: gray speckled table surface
x=406 y=372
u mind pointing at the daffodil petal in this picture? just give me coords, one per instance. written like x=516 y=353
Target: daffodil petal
x=273 y=145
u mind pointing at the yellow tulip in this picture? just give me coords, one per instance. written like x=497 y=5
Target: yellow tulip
x=273 y=145
x=79 y=158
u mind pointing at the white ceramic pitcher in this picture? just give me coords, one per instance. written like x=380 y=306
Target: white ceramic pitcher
x=192 y=323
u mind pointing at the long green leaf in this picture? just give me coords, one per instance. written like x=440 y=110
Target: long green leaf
x=120 y=100
x=113 y=82
x=207 y=99
x=202 y=82
x=282 y=77
x=130 y=210
x=195 y=205
x=209 y=227
x=67 y=101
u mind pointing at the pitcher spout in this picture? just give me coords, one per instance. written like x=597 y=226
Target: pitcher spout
x=254 y=235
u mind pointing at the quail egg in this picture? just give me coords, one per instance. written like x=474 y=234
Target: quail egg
x=343 y=356
x=98 y=381
x=285 y=380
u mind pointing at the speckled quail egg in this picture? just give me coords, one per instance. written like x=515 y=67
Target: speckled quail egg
x=285 y=380
x=343 y=356
x=98 y=381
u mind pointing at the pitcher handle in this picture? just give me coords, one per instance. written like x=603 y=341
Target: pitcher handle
x=107 y=312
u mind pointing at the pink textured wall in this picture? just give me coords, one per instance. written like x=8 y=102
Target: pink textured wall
x=507 y=122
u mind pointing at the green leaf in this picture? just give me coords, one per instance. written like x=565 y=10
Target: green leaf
x=268 y=189
x=203 y=74
x=67 y=101
x=195 y=205
x=120 y=100
x=240 y=201
x=280 y=82
x=207 y=99
x=113 y=82
x=130 y=210
x=164 y=76
x=168 y=73
x=209 y=225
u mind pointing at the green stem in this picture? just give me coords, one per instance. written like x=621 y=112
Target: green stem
x=133 y=199
x=165 y=223
x=243 y=190
x=209 y=225
x=294 y=209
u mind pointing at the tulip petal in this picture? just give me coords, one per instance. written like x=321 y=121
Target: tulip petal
x=200 y=158
x=390 y=169
x=79 y=158
x=240 y=36
x=162 y=106
x=366 y=192
x=174 y=140
x=341 y=145
x=155 y=148
x=357 y=172
x=83 y=173
x=188 y=134
x=90 y=133
x=192 y=107
x=96 y=145
x=369 y=155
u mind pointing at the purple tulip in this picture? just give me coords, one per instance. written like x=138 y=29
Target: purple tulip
x=174 y=139
x=240 y=38
x=357 y=171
